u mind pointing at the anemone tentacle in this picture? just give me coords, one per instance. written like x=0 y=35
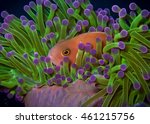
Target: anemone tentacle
x=122 y=66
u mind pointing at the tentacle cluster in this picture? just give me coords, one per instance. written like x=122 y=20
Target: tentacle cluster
x=121 y=70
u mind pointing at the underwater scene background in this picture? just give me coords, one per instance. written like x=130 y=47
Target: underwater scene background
x=16 y=7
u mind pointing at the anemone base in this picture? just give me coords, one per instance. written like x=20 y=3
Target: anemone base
x=56 y=96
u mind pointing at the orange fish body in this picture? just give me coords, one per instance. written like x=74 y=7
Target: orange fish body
x=71 y=46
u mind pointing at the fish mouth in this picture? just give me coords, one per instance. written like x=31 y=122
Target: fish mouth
x=55 y=60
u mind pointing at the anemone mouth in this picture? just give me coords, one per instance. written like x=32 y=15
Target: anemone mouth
x=122 y=66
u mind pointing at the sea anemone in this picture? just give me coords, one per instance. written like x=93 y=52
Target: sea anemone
x=117 y=74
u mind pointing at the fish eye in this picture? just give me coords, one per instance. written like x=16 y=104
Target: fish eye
x=66 y=52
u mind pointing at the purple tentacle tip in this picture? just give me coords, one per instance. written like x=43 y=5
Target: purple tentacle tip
x=98 y=39
x=36 y=61
x=100 y=16
x=109 y=89
x=101 y=62
x=93 y=60
x=143 y=49
x=23 y=18
x=57 y=68
x=74 y=65
x=4 y=14
x=39 y=2
x=107 y=30
x=10 y=96
x=42 y=58
x=51 y=35
x=145 y=13
x=99 y=28
x=87 y=66
x=65 y=22
x=44 y=40
x=32 y=4
x=50 y=71
x=10 y=54
x=85 y=23
x=25 y=55
x=121 y=45
x=92 y=78
x=109 y=38
x=79 y=22
x=70 y=11
x=78 y=28
x=106 y=76
x=115 y=8
x=146 y=76
x=47 y=59
x=53 y=7
x=76 y=4
x=145 y=28
x=49 y=23
x=1 y=48
x=36 y=54
x=81 y=46
x=47 y=3
x=105 y=18
x=20 y=80
x=122 y=13
x=111 y=59
x=33 y=27
x=8 y=36
x=116 y=26
x=137 y=85
x=27 y=8
x=69 y=80
x=106 y=56
x=81 y=71
x=5 y=25
x=114 y=50
x=92 y=29
x=123 y=67
x=121 y=74
x=66 y=59
x=93 y=52
x=133 y=6
x=87 y=12
x=90 y=7
x=124 y=33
